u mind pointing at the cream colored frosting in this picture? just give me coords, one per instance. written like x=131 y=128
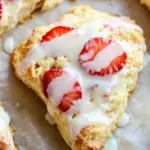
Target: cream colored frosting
x=111 y=144
x=124 y=120
x=8 y=45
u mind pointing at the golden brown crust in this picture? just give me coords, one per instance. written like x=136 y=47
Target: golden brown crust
x=95 y=135
x=40 y=5
x=91 y=137
x=147 y=6
x=26 y=18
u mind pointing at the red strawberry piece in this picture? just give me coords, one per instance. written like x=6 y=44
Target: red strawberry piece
x=56 y=32
x=1 y=9
x=95 y=46
x=48 y=77
x=116 y=65
x=68 y=99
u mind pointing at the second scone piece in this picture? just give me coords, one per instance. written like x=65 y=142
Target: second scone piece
x=6 y=131
x=13 y=12
x=84 y=67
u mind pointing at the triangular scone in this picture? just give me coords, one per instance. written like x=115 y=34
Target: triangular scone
x=18 y=11
x=6 y=131
x=87 y=63
x=146 y=3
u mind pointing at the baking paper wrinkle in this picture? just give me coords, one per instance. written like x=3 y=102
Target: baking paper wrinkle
x=33 y=132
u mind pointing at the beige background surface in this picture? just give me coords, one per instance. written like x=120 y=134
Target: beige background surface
x=28 y=112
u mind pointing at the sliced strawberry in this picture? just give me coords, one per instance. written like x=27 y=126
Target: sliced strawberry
x=48 y=77
x=115 y=66
x=1 y=9
x=92 y=48
x=67 y=99
x=56 y=32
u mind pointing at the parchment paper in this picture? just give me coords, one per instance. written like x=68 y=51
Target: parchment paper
x=27 y=110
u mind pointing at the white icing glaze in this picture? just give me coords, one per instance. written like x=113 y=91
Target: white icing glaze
x=9 y=45
x=96 y=116
x=4 y=119
x=89 y=114
x=111 y=144
x=124 y=120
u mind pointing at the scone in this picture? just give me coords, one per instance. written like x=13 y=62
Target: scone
x=146 y=3
x=6 y=131
x=85 y=68
x=14 y=11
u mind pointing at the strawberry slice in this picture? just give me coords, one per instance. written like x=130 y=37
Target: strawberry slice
x=68 y=98
x=93 y=48
x=56 y=32
x=1 y=9
x=48 y=77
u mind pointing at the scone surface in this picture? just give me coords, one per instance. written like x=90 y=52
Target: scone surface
x=91 y=137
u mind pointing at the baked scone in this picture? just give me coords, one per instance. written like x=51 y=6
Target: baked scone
x=146 y=3
x=6 y=131
x=84 y=67
x=14 y=11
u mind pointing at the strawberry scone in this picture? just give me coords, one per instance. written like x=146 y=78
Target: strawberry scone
x=13 y=12
x=85 y=68
x=6 y=132
x=146 y=3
